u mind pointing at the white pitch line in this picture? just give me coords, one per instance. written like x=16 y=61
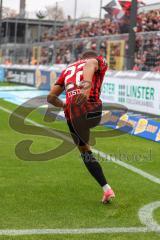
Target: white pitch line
x=143 y=213
x=102 y=154
x=146 y=216
x=75 y=231
x=128 y=166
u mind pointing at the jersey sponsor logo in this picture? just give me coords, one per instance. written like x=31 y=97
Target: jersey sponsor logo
x=73 y=93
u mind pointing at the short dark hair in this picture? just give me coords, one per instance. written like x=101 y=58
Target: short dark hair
x=89 y=54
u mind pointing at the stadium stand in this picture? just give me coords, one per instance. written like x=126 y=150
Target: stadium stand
x=148 y=59
x=146 y=22
x=71 y=39
x=149 y=21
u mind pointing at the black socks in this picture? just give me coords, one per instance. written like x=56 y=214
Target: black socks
x=94 y=167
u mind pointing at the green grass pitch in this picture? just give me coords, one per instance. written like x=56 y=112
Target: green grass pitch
x=61 y=194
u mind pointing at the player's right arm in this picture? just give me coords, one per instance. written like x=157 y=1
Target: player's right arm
x=89 y=70
x=57 y=89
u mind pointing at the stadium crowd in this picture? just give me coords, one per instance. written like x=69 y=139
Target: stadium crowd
x=71 y=40
x=88 y=34
x=149 y=58
x=146 y=22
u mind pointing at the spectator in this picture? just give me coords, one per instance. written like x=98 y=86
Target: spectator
x=86 y=35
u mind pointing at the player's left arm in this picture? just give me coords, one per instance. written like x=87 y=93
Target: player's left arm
x=53 y=98
x=57 y=89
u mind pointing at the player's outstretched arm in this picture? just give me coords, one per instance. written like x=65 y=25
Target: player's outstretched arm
x=53 y=98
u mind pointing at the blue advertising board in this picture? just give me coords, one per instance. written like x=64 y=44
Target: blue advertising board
x=136 y=125
x=44 y=79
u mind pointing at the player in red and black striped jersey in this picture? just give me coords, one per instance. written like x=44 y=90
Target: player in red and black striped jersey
x=82 y=83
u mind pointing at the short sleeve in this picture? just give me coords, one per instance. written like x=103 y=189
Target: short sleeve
x=60 y=80
x=102 y=62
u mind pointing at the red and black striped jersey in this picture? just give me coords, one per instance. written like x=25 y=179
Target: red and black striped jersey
x=70 y=80
x=72 y=76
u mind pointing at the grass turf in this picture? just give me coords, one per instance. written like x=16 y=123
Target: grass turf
x=3 y=84
x=146 y=236
x=61 y=194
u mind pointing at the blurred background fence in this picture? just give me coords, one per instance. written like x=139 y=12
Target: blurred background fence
x=113 y=47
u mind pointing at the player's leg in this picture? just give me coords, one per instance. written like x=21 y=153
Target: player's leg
x=96 y=171
x=80 y=131
x=91 y=163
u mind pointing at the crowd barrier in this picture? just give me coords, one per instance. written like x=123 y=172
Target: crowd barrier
x=138 y=91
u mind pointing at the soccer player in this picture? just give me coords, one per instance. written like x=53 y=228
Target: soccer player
x=82 y=82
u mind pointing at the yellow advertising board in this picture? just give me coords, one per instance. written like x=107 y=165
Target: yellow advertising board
x=36 y=55
x=115 y=54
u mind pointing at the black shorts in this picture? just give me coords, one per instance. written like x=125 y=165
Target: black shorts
x=80 y=127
